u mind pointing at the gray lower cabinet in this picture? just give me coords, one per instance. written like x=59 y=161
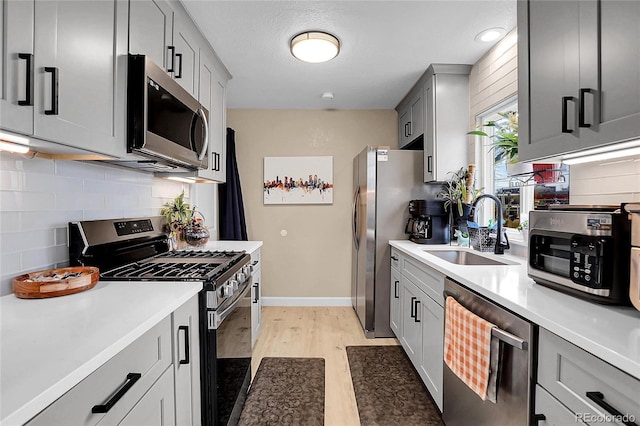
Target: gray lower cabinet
x=591 y=390
x=417 y=318
x=578 y=75
x=68 y=86
x=186 y=363
x=256 y=296
x=153 y=381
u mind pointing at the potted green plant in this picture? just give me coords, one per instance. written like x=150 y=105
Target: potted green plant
x=504 y=140
x=186 y=224
x=459 y=193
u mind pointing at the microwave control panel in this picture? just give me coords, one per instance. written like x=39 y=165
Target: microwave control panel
x=587 y=254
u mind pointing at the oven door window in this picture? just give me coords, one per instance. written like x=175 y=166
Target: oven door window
x=233 y=361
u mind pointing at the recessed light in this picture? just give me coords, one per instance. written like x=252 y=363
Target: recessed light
x=490 y=34
x=315 y=46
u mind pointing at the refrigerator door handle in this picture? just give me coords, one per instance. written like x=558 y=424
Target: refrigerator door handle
x=354 y=224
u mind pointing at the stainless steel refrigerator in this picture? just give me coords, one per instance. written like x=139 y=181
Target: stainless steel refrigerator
x=384 y=181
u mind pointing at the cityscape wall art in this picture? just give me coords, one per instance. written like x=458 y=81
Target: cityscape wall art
x=298 y=180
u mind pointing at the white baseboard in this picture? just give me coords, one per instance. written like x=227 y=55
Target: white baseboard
x=306 y=301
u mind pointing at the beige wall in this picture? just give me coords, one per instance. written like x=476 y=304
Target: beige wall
x=314 y=259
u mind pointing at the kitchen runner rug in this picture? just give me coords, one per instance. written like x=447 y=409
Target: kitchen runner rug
x=286 y=391
x=388 y=389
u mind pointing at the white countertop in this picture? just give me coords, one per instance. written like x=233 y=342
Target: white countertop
x=611 y=333
x=50 y=345
x=248 y=246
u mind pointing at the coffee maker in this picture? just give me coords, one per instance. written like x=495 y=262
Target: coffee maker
x=429 y=222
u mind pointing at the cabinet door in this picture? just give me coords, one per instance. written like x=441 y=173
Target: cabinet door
x=186 y=363
x=256 y=305
x=610 y=45
x=395 y=311
x=212 y=95
x=185 y=39
x=411 y=329
x=16 y=77
x=431 y=316
x=429 y=131
x=554 y=60
x=151 y=31
x=416 y=126
x=156 y=407
x=80 y=83
x=555 y=414
x=403 y=126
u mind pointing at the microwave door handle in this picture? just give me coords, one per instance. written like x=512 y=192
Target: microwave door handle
x=206 y=134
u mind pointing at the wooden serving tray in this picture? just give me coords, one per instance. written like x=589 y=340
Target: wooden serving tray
x=55 y=282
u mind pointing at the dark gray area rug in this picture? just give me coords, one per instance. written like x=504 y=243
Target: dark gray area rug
x=388 y=389
x=286 y=391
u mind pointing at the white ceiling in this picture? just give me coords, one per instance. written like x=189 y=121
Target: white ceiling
x=385 y=47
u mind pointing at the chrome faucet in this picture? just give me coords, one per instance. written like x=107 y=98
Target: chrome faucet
x=499 y=248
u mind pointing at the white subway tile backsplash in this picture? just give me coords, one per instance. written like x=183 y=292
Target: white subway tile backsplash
x=608 y=182
x=38 y=197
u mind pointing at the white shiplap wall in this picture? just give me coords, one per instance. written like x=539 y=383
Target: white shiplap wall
x=38 y=197
x=607 y=182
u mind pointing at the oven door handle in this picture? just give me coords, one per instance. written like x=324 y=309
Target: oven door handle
x=215 y=318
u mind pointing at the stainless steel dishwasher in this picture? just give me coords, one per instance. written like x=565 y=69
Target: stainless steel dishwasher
x=461 y=406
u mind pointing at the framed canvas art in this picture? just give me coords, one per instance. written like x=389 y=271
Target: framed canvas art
x=298 y=180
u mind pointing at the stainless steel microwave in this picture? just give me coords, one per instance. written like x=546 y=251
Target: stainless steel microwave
x=164 y=122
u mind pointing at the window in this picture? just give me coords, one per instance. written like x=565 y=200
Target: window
x=520 y=187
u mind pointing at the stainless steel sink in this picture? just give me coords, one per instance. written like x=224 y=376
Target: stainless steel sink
x=461 y=257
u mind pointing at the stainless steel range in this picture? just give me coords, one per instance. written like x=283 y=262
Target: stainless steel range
x=138 y=250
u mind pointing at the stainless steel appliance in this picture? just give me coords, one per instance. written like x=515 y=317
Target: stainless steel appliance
x=383 y=183
x=429 y=222
x=634 y=278
x=165 y=123
x=462 y=406
x=582 y=250
x=138 y=250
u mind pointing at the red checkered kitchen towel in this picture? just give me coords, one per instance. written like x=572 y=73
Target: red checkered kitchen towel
x=468 y=349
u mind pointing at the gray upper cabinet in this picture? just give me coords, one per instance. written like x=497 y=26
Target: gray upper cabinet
x=151 y=31
x=411 y=118
x=185 y=39
x=16 y=76
x=434 y=116
x=579 y=85
x=77 y=69
x=447 y=120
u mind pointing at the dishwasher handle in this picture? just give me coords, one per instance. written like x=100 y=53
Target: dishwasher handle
x=504 y=336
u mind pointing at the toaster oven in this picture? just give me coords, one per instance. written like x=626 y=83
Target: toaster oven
x=582 y=250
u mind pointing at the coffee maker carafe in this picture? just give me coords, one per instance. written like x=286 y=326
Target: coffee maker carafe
x=428 y=223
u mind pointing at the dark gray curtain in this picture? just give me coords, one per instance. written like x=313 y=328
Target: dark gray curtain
x=232 y=222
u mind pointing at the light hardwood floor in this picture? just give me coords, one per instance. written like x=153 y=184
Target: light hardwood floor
x=318 y=332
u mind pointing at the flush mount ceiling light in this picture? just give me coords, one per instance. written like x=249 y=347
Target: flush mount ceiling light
x=490 y=34
x=315 y=46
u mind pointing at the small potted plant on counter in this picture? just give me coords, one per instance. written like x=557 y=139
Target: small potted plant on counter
x=186 y=224
x=459 y=194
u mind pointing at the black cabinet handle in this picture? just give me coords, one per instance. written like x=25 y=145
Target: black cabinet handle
x=430 y=163
x=218 y=162
x=394 y=258
x=179 y=73
x=415 y=318
x=410 y=128
x=187 y=358
x=132 y=378
x=581 y=114
x=54 y=91
x=413 y=305
x=539 y=418
x=172 y=58
x=565 y=111
x=28 y=79
x=598 y=398
x=256 y=296
x=395 y=290
x=405 y=130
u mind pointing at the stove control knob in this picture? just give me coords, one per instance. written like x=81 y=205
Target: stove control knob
x=228 y=290
x=233 y=284
x=247 y=269
x=241 y=277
